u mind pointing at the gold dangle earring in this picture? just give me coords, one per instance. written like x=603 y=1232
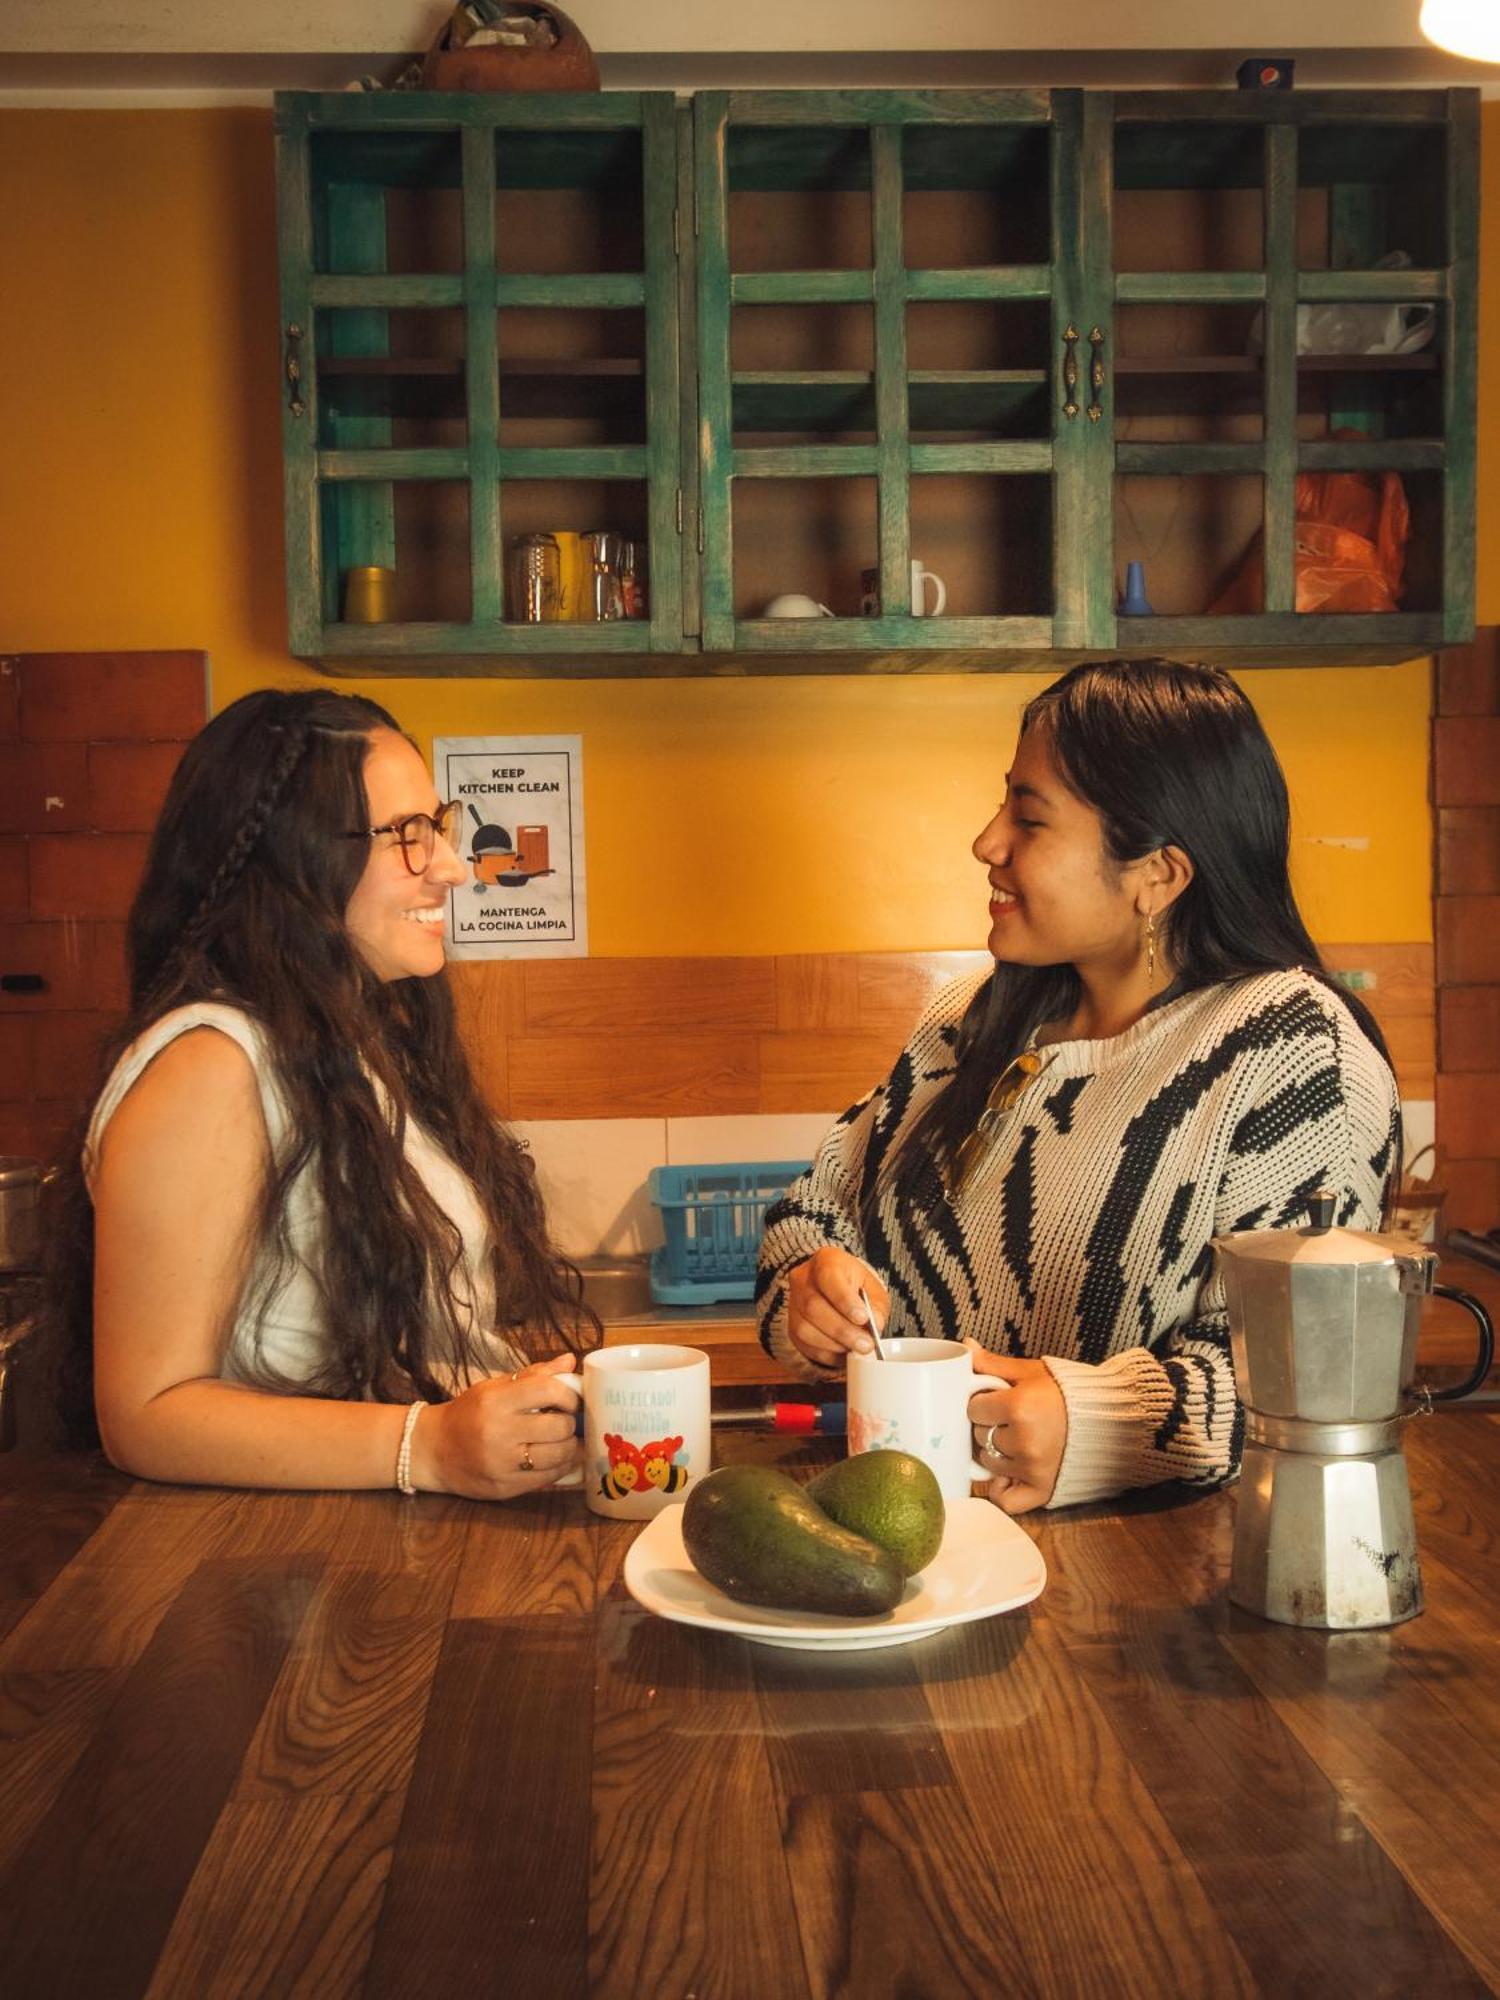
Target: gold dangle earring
x=1150 y=947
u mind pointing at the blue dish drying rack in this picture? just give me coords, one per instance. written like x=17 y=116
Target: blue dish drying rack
x=713 y=1216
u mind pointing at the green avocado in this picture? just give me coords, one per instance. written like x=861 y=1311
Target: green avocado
x=753 y=1532
x=890 y=1498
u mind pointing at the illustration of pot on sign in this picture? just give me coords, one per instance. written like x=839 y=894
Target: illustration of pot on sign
x=496 y=858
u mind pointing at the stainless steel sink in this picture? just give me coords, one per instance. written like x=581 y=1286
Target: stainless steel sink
x=619 y=1290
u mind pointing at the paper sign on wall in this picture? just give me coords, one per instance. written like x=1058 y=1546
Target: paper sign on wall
x=522 y=843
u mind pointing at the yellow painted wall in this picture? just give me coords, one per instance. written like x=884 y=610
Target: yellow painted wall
x=140 y=507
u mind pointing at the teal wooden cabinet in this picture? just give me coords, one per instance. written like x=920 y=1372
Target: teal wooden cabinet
x=480 y=327
x=937 y=363
x=884 y=279
x=1028 y=338
x=1280 y=318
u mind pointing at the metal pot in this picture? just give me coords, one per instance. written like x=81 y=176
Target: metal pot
x=20 y=1214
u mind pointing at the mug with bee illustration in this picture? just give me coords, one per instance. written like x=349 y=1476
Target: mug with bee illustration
x=645 y=1427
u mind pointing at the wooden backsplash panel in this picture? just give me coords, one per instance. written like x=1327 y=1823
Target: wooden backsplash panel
x=88 y=744
x=626 y=1074
x=1466 y=792
x=697 y=1037
x=603 y=995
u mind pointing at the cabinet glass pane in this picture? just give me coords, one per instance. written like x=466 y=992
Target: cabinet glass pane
x=1372 y=395
x=572 y=376
x=568 y=201
x=415 y=531
x=1197 y=537
x=391 y=377
x=798 y=199
x=386 y=201
x=1189 y=373
x=1188 y=197
x=802 y=373
x=803 y=537
x=978 y=370
x=1368 y=192
x=573 y=511
x=1369 y=540
x=1372 y=198
x=989 y=538
x=976 y=195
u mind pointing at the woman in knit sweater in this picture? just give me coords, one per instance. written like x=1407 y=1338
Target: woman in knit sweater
x=1157 y=1058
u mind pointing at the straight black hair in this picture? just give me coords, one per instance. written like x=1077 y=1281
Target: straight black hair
x=1169 y=755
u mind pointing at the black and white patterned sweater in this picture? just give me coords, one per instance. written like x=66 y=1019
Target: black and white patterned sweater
x=1085 y=1236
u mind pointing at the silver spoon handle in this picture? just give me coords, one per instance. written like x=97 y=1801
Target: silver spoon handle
x=880 y=1354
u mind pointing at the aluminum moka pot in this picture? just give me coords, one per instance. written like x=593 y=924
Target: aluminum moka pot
x=1324 y=1326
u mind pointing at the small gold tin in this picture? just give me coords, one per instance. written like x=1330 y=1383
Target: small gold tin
x=369 y=595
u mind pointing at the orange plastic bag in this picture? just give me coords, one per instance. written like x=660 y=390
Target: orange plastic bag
x=1350 y=542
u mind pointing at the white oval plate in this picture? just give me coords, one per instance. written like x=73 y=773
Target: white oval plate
x=986 y=1564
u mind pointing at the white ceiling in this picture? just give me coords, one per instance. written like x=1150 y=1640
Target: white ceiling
x=103 y=50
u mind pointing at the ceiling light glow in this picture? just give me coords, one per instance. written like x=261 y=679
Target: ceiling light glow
x=1463 y=27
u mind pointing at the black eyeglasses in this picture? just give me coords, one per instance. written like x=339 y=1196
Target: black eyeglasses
x=417 y=834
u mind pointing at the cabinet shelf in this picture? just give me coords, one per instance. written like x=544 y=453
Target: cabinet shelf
x=1008 y=399
x=807 y=154
x=1166 y=385
x=595 y=155
x=434 y=386
x=1424 y=363
x=787 y=400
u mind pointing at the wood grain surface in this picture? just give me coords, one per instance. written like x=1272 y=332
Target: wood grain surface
x=679 y=1037
x=345 y=1744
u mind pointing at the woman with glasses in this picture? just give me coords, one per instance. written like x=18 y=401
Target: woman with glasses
x=292 y=1228
x=1156 y=1058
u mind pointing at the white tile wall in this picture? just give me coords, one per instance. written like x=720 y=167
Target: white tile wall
x=1419 y=1123
x=592 y=1173
x=696 y=1142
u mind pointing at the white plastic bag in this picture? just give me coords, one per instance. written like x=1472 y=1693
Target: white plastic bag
x=1343 y=326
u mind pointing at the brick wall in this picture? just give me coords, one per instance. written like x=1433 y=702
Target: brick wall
x=1466 y=794
x=88 y=743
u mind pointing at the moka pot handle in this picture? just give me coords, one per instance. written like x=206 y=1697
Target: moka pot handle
x=1486 y=1355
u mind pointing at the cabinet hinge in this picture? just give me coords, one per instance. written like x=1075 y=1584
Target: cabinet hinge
x=700 y=531
x=679 y=510
x=676 y=232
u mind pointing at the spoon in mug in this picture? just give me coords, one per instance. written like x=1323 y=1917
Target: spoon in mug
x=880 y=1354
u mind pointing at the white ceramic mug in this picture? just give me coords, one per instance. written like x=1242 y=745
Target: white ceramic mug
x=917 y=1400
x=869 y=603
x=795 y=605
x=645 y=1428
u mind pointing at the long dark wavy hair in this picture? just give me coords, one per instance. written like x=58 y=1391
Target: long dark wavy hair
x=243 y=900
x=1169 y=755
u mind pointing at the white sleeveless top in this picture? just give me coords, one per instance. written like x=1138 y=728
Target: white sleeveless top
x=291 y=1325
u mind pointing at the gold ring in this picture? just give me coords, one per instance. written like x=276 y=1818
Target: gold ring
x=526 y=1461
x=515 y=1374
x=988 y=1443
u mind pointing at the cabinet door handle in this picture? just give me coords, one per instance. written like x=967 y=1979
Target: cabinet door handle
x=1096 y=375
x=294 y=369
x=1070 y=370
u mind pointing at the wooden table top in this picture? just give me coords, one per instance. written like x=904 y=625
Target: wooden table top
x=349 y=1744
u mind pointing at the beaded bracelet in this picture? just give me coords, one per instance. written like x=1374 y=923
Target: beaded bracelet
x=403 y=1453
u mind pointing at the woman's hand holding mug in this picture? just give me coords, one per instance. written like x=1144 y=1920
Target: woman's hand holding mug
x=510 y=1435
x=1020 y=1429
